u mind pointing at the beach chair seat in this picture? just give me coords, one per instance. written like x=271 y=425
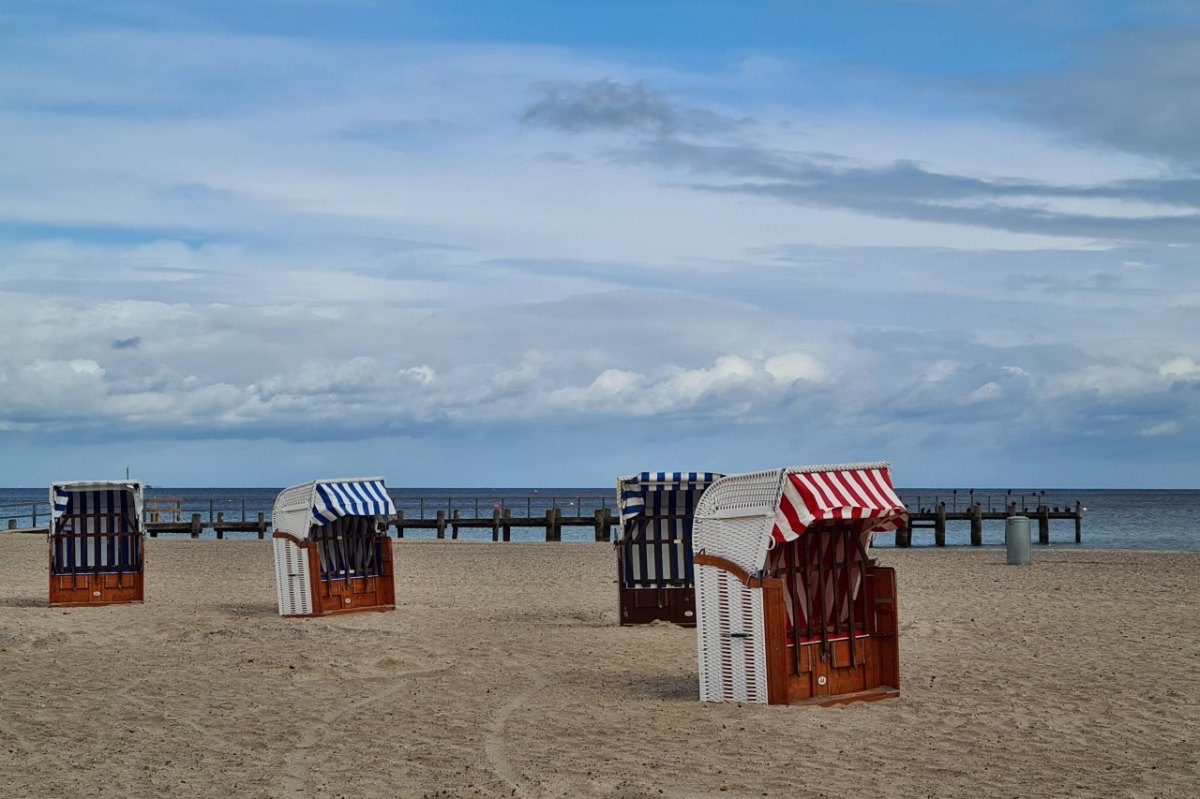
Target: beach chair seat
x=791 y=607
x=96 y=543
x=656 y=577
x=332 y=553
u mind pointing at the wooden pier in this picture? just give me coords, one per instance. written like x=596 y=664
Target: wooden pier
x=167 y=517
x=937 y=518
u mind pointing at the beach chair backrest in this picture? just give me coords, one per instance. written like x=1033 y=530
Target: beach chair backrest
x=657 y=511
x=348 y=547
x=96 y=528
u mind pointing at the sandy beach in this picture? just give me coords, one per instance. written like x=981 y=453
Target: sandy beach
x=503 y=673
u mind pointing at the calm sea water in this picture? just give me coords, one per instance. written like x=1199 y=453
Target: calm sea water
x=1115 y=519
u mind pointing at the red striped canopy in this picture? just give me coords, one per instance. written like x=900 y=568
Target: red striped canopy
x=851 y=493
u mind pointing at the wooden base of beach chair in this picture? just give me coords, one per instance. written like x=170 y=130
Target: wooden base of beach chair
x=751 y=622
x=357 y=594
x=81 y=590
x=305 y=593
x=831 y=674
x=644 y=605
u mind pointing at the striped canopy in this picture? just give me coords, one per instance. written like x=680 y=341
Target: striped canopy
x=300 y=508
x=632 y=491
x=350 y=498
x=861 y=493
x=95 y=496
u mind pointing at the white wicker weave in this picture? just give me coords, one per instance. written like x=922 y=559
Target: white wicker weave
x=731 y=640
x=734 y=518
x=292 y=579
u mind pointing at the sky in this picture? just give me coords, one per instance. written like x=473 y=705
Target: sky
x=535 y=243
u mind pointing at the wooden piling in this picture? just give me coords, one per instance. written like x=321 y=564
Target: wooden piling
x=220 y=520
x=1078 y=522
x=195 y=531
x=262 y=525
x=507 y=516
x=976 y=525
x=441 y=524
x=495 y=522
x=904 y=536
x=553 y=524
x=1043 y=514
x=398 y=521
x=939 y=525
x=454 y=525
x=602 y=524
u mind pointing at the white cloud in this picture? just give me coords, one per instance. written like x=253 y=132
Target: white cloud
x=1162 y=429
x=1182 y=366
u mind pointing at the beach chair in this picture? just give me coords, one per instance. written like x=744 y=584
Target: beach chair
x=790 y=606
x=97 y=552
x=332 y=553
x=654 y=546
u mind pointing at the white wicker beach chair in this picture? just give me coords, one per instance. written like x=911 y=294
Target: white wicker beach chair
x=332 y=553
x=790 y=606
x=97 y=552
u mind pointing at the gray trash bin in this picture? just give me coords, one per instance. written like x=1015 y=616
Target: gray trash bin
x=1017 y=540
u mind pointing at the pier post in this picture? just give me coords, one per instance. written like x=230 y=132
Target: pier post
x=939 y=525
x=262 y=525
x=1078 y=522
x=220 y=520
x=976 y=525
x=1043 y=513
x=454 y=525
x=441 y=524
x=495 y=522
x=399 y=522
x=12 y=524
x=553 y=524
x=195 y=525
x=904 y=537
x=507 y=516
x=601 y=521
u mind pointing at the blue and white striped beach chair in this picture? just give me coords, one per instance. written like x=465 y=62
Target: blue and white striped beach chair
x=332 y=553
x=97 y=553
x=654 y=545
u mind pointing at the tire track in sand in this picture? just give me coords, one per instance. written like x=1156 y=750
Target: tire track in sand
x=494 y=743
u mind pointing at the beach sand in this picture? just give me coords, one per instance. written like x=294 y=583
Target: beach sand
x=503 y=673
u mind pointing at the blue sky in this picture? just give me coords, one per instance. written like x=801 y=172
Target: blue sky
x=544 y=243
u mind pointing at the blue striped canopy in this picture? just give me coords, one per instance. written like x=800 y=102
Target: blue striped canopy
x=332 y=500
x=631 y=499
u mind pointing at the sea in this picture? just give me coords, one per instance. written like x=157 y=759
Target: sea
x=1114 y=518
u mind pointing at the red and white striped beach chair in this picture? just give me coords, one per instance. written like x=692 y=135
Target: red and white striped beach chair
x=655 y=577
x=97 y=552
x=790 y=605
x=332 y=553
